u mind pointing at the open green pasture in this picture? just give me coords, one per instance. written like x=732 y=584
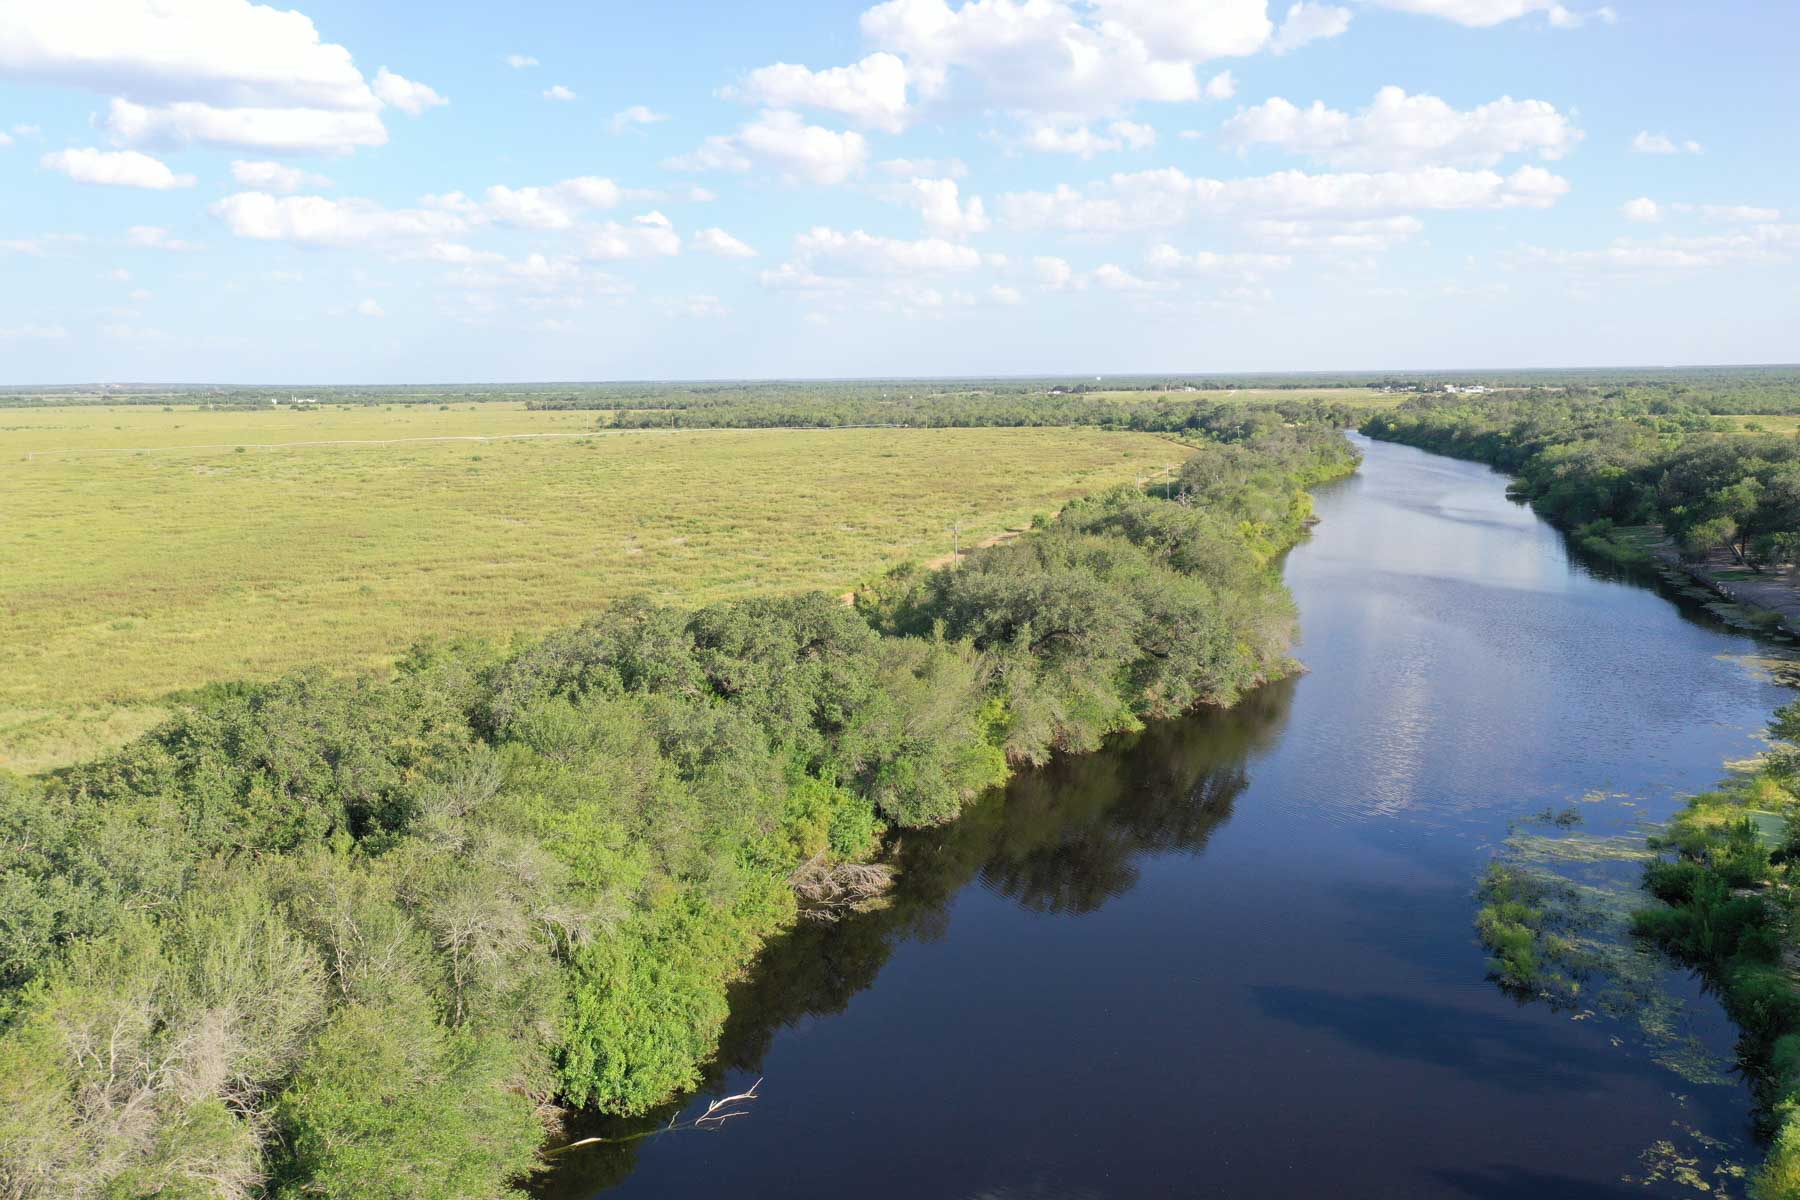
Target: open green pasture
x=143 y=551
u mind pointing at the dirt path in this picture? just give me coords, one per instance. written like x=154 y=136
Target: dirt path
x=1774 y=591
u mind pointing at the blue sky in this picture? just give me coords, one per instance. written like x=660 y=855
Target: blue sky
x=209 y=190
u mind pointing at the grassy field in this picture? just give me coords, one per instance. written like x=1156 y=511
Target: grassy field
x=144 y=551
x=1765 y=424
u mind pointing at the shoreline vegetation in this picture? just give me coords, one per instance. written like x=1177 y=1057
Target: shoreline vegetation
x=1726 y=874
x=366 y=936
x=1657 y=481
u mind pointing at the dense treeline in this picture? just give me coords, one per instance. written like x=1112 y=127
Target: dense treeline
x=1166 y=413
x=1728 y=886
x=1595 y=464
x=1067 y=838
x=359 y=937
x=1766 y=389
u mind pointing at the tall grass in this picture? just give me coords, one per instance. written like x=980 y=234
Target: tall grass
x=141 y=553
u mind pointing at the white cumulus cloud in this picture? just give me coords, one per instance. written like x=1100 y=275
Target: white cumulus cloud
x=557 y=91
x=1641 y=209
x=223 y=72
x=320 y=221
x=292 y=130
x=635 y=115
x=871 y=92
x=1398 y=130
x=823 y=255
x=1480 y=14
x=940 y=205
x=1058 y=57
x=118 y=168
x=784 y=142
x=405 y=94
x=1080 y=140
x=228 y=52
x=1167 y=197
x=1309 y=22
x=1646 y=142
x=555 y=206
x=717 y=241
x=648 y=236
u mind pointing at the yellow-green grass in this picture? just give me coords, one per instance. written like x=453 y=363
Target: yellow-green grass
x=126 y=574
x=1350 y=396
x=25 y=432
x=1752 y=424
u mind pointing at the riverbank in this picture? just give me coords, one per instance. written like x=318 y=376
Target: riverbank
x=1772 y=591
x=1255 y=922
x=502 y=880
x=1729 y=890
x=1766 y=600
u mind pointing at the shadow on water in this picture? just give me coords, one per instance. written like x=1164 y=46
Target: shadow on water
x=1509 y=1183
x=1497 y=1052
x=1063 y=839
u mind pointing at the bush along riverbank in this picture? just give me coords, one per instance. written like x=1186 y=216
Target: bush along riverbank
x=1727 y=883
x=366 y=936
x=1637 y=481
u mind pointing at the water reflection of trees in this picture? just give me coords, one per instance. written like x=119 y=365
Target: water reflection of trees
x=1063 y=839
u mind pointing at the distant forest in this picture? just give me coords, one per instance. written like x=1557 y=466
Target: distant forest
x=1753 y=389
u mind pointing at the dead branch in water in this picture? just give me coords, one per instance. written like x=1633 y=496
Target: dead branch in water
x=715 y=1116
x=826 y=893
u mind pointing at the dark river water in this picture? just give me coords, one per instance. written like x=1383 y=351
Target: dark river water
x=1234 y=955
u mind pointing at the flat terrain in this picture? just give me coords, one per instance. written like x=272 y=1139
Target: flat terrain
x=1766 y=424
x=144 y=551
x=1351 y=397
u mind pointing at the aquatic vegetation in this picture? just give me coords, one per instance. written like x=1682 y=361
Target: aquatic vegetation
x=1689 y=1158
x=1558 y=927
x=1729 y=909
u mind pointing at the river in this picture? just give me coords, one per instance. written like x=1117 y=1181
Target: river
x=1234 y=956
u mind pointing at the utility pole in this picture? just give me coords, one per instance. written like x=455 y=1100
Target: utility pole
x=956 y=542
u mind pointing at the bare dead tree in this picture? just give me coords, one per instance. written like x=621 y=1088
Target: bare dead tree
x=723 y=1109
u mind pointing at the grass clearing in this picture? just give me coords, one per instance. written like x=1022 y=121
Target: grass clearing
x=143 y=551
x=1784 y=425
